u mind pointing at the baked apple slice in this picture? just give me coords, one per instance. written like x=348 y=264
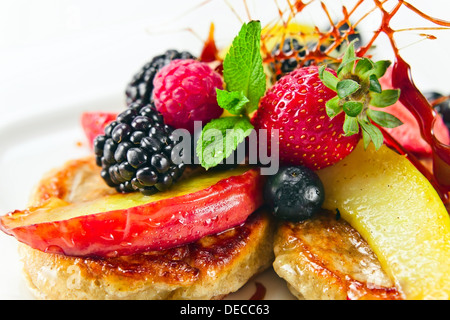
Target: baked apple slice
x=124 y=224
x=395 y=208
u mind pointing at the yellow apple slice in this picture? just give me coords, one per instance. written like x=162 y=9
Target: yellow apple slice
x=394 y=207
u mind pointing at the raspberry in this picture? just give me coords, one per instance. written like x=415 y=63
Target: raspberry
x=185 y=91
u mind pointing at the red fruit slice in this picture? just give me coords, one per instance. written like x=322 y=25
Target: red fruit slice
x=408 y=134
x=94 y=123
x=124 y=224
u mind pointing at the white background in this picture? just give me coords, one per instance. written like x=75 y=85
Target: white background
x=55 y=53
x=59 y=58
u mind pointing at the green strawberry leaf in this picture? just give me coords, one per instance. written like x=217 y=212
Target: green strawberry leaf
x=358 y=88
x=243 y=69
x=348 y=59
x=371 y=133
x=347 y=66
x=350 y=125
x=385 y=98
x=346 y=87
x=328 y=79
x=332 y=107
x=363 y=66
x=220 y=137
x=366 y=139
x=380 y=68
x=352 y=108
x=234 y=102
x=375 y=85
x=384 y=119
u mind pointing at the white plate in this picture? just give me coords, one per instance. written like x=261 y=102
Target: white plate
x=50 y=78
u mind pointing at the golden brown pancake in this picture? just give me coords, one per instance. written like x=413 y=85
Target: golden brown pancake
x=325 y=258
x=210 y=268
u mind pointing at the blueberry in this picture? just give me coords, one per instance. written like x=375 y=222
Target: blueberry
x=294 y=193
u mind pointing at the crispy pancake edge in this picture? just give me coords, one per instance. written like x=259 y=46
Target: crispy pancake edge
x=325 y=258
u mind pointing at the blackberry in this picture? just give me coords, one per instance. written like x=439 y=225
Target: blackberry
x=141 y=86
x=286 y=65
x=355 y=36
x=135 y=151
x=283 y=65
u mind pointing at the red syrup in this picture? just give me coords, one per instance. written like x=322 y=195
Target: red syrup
x=417 y=104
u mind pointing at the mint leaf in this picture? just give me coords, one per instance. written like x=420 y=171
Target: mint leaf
x=242 y=68
x=233 y=101
x=220 y=137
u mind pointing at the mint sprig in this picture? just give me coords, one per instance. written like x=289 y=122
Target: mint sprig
x=243 y=69
x=245 y=84
x=220 y=138
x=358 y=88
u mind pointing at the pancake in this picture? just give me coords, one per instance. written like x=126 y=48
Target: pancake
x=325 y=258
x=209 y=268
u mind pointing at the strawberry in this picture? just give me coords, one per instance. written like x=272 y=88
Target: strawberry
x=321 y=113
x=94 y=123
x=295 y=105
x=408 y=134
